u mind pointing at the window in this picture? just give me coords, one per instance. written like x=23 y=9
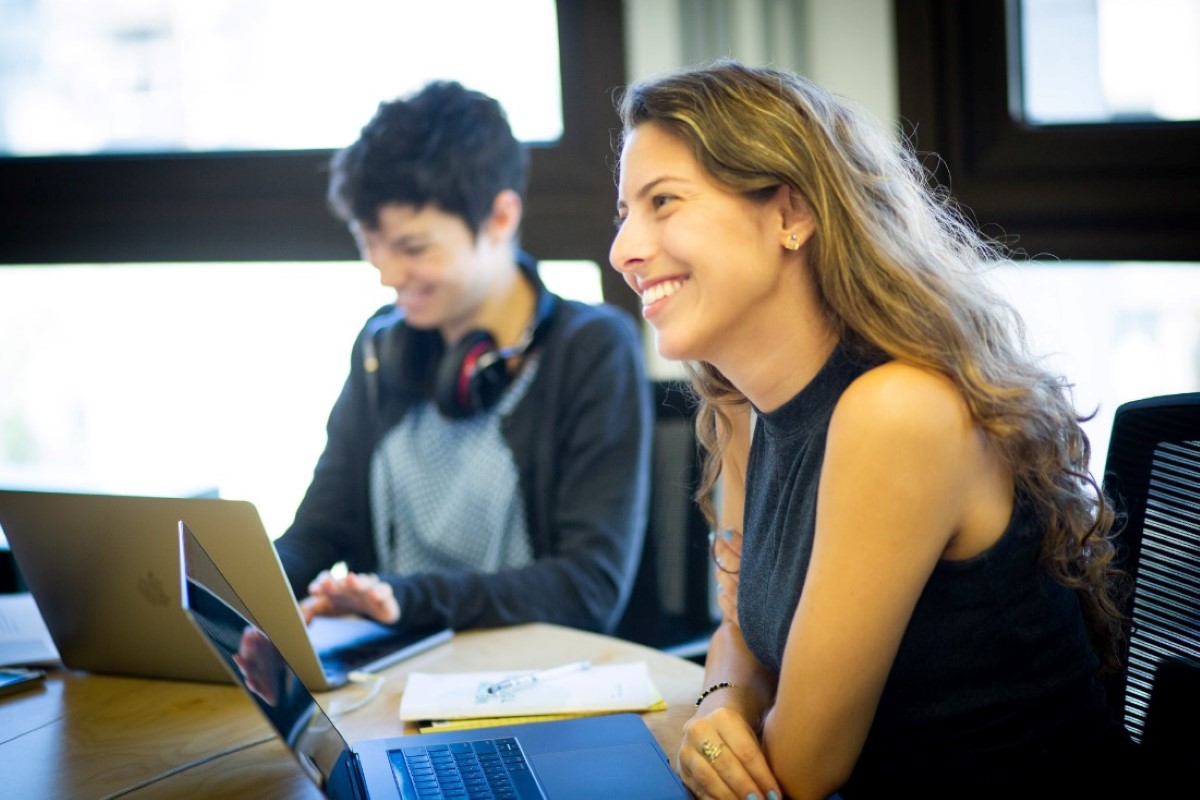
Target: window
x=1103 y=204
x=181 y=379
x=181 y=322
x=1108 y=61
x=269 y=205
x=1089 y=191
x=177 y=76
x=1117 y=331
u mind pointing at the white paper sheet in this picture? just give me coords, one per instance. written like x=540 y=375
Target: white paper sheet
x=603 y=688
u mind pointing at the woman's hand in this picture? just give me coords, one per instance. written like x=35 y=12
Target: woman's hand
x=720 y=758
x=727 y=560
x=357 y=593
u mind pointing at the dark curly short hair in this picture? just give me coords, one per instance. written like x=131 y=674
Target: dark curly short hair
x=445 y=146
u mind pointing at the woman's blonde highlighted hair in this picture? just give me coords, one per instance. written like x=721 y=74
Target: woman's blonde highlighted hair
x=897 y=270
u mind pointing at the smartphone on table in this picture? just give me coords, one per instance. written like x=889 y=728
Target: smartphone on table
x=15 y=679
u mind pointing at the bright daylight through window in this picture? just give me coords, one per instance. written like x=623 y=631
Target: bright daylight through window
x=1109 y=61
x=81 y=77
x=188 y=378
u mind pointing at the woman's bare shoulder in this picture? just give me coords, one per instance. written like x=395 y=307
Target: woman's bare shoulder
x=905 y=400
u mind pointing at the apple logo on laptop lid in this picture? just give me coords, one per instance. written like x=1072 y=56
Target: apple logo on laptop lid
x=151 y=588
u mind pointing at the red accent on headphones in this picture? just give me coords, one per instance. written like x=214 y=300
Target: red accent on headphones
x=467 y=372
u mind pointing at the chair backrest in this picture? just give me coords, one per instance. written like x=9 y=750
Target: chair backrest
x=1152 y=475
x=670 y=604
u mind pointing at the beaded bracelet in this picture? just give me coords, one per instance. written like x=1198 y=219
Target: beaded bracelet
x=716 y=687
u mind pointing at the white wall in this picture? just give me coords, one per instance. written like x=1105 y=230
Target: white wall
x=845 y=45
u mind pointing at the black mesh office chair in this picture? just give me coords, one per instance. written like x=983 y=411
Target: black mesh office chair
x=1152 y=476
x=670 y=607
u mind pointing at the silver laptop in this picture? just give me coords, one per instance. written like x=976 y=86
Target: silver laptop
x=104 y=571
x=589 y=758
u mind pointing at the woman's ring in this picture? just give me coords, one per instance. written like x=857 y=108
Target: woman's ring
x=711 y=751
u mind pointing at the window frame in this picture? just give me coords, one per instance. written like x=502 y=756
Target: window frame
x=1097 y=192
x=270 y=206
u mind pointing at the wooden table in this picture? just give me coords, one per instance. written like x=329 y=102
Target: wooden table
x=94 y=736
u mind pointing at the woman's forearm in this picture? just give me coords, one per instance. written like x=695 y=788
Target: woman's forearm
x=752 y=688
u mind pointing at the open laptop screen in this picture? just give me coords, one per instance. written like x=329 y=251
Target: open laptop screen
x=255 y=662
x=584 y=758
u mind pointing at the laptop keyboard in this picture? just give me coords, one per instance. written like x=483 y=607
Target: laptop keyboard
x=485 y=768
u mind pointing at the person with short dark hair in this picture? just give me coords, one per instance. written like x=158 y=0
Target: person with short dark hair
x=487 y=460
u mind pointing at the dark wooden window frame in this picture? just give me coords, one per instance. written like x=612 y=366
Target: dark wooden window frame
x=1096 y=192
x=270 y=206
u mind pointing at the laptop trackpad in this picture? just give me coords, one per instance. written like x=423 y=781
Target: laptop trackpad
x=606 y=773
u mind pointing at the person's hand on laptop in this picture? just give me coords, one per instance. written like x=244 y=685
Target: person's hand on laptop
x=356 y=593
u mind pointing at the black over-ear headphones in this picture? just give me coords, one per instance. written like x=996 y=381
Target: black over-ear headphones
x=472 y=374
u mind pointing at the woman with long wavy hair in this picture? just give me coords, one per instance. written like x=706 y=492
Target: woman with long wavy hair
x=925 y=596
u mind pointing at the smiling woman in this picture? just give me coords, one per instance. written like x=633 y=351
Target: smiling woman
x=695 y=251
x=924 y=593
